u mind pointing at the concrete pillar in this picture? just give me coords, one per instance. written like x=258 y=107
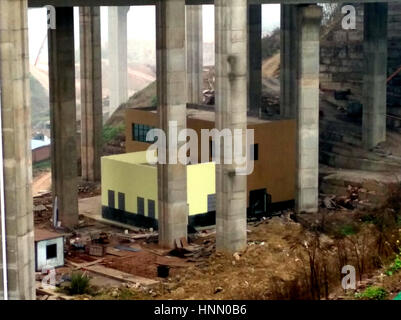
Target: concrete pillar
x=374 y=79
x=194 y=47
x=63 y=117
x=172 y=96
x=231 y=113
x=91 y=92
x=307 y=106
x=255 y=59
x=288 y=61
x=118 y=75
x=16 y=135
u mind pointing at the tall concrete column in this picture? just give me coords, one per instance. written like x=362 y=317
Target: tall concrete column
x=231 y=113
x=288 y=61
x=118 y=75
x=307 y=106
x=374 y=79
x=194 y=47
x=255 y=59
x=91 y=92
x=171 y=91
x=17 y=164
x=63 y=117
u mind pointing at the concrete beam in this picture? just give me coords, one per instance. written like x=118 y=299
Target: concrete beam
x=194 y=47
x=83 y=3
x=255 y=59
x=118 y=63
x=16 y=135
x=307 y=106
x=231 y=19
x=374 y=79
x=91 y=92
x=287 y=62
x=63 y=117
x=172 y=97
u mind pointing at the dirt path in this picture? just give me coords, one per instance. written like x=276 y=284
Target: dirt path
x=42 y=183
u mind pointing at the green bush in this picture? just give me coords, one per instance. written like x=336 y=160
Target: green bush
x=154 y=101
x=79 y=283
x=110 y=132
x=395 y=266
x=373 y=293
x=347 y=230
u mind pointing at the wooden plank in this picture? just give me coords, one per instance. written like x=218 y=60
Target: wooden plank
x=42 y=291
x=83 y=265
x=119 y=275
x=115 y=252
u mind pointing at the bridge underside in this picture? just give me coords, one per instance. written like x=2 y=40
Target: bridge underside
x=80 y=3
x=176 y=40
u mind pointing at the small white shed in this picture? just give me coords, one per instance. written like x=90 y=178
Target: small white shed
x=49 y=249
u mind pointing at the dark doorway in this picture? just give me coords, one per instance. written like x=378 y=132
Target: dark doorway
x=257 y=201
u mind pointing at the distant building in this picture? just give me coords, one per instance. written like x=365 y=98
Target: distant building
x=274 y=152
x=40 y=147
x=129 y=183
x=49 y=249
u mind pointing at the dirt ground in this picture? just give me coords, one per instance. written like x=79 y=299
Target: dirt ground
x=41 y=183
x=275 y=265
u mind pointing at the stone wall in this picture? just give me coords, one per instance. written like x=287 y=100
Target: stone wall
x=341 y=57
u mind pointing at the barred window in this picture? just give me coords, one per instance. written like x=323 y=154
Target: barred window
x=151 y=209
x=139 y=132
x=141 y=206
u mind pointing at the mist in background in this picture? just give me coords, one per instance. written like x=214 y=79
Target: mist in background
x=141 y=26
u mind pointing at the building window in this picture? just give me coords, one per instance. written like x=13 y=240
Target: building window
x=111 y=198
x=151 y=209
x=211 y=202
x=141 y=206
x=139 y=132
x=51 y=251
x=121 y=201
x=254 y=152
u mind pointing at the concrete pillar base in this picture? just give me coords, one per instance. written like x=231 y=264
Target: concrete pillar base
x=255 y=59
x=194 y=47
x=118 y=78
x=231 y=113
x=172 y=96
x=16 y=135
x=63 y=117
x=91 y=93
x=307 y=107
x=375 y=77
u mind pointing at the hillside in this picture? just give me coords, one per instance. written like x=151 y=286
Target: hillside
x=143 y=98
x=40 y=111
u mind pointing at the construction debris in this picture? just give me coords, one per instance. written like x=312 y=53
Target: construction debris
x=122 y=276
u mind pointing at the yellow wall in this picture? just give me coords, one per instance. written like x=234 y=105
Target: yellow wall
x=123 y=173
x=201 y=181
x=128 y=173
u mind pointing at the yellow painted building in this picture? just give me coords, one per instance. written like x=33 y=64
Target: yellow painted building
x=129 y=190
x=273 y=177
